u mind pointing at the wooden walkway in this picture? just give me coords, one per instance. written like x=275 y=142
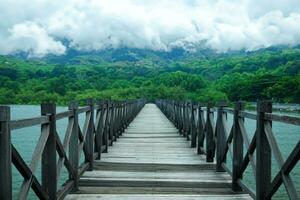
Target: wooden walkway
x=152 y=161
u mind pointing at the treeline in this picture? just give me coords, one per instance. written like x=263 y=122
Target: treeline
x=259 y=75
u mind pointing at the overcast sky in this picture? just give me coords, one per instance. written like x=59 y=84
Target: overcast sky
x=38 y=27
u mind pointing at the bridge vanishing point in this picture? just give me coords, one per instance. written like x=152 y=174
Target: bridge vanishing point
x=133 y=150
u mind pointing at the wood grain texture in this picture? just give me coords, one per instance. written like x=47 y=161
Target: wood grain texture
x=151 y=160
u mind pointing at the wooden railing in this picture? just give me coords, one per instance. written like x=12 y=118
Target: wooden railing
x=92 y=139
x=190 y=119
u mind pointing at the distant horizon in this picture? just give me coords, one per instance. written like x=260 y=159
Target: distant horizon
x=145 y=52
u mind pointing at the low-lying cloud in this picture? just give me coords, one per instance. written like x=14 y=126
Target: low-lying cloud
x=40 y=27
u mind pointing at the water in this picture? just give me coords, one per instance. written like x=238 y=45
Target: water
x=25 y=141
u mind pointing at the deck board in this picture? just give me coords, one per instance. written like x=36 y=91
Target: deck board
x=152 y=161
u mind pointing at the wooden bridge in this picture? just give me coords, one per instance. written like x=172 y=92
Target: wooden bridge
x=134 y=150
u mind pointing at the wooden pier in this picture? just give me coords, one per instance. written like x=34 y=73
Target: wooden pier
x=133 y=150
x=152 y=161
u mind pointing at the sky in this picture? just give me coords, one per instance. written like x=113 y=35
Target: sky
x=42 y=27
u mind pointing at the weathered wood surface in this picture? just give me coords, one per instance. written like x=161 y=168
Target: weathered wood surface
x=152 y=161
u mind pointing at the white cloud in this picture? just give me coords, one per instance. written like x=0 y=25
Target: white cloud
x=39 y=27
x=31 y=38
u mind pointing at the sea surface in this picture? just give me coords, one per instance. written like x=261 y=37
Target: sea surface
x=26 y=139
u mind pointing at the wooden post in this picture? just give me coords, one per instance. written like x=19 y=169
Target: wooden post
x=106 y=128
x=173 y=112
x=90 y=135
x=73 y=146
x=188 y=120
x=99 y=128
x=263 y=152
x=110 y=123
x=49 y=169
x=193 y=127
x=210 y=143
x=5 y=154
x=221 y=138
x=200 y=130
x=183 y=118
x=127 y=113
x=123 y=124
x=113 y=122
x=238 y=143
x=117 y=120
x=180 y=121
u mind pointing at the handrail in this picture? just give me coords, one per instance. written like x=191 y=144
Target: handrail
x=63 y=115
x=189 y=118
x=282 y=118
x=93 y=139
x=23 y=123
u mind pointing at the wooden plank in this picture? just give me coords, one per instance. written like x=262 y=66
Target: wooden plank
x=63 y=115
x=248 y=115
x=18 y=124
x=83 y=109
x=282 y=118
x=154 y=190
x=157 y=197
x=37 y=154
x=106 y=165
x=109 y=182
x=195 y=176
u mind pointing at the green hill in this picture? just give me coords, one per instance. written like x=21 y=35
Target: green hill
x=131 y=73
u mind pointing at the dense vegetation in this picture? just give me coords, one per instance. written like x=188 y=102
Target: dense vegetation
x=252 y=76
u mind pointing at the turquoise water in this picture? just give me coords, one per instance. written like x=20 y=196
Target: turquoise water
x=25 y=141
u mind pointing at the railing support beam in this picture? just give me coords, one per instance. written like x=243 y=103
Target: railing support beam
x=193 y=130
x=210 y=143
x=90 y=135
x=74 y=144
x=221 y=138
x=49 y=169
x=238 y=148
x=263 y=152
x=5 y=154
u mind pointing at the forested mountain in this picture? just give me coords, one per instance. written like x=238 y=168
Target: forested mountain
x=130 y=73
